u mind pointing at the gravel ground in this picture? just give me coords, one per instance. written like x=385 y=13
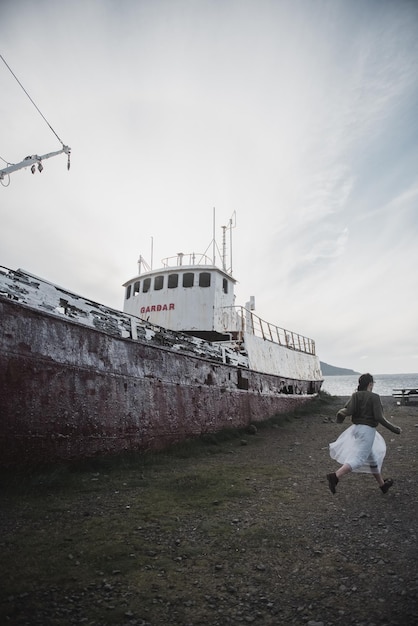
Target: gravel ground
x=286 y=551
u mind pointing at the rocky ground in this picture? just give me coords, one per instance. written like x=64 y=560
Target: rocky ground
x=250 y=535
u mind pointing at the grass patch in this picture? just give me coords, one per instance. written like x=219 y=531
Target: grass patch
x=121 y=521
x=140 y=521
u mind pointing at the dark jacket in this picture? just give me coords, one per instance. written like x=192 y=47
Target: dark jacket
x=365 y=407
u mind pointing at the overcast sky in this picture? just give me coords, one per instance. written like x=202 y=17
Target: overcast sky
x=300 y=115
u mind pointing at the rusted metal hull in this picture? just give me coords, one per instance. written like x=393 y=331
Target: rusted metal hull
x=68 y=391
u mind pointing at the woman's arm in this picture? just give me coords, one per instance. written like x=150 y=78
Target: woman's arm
x=378 y=414
x=349 y=409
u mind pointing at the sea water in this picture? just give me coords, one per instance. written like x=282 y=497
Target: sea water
x=384 y=384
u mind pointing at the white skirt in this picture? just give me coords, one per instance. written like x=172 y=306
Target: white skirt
x=362 y=447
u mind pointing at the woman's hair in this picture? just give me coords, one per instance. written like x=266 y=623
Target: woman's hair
x=364 y=381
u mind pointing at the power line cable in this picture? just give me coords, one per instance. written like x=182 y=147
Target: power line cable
x=36 y=107
x=3 y=183
x=7 y=162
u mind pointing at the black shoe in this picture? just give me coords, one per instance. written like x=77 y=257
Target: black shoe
x=333 y=481
x=388 y=484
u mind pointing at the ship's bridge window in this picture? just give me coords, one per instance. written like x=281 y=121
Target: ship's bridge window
x=188 y=279
x=136 y=287
x=204 y=279
x=146 y=285
x=173 y=281
x=225 y=286
x=158 y=283
x=128 y=292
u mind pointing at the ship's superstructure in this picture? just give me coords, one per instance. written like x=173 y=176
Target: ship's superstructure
x=190 y=294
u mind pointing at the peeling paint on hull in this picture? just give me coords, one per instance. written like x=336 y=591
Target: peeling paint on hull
x=68 y=391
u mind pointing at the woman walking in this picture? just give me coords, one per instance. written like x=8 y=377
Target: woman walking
x=361 y=448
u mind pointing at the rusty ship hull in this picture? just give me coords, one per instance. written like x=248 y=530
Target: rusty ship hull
x=78 y=379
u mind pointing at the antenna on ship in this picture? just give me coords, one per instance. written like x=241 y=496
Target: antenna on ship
x=214 y=238
x=231 y=224
x=35 y=161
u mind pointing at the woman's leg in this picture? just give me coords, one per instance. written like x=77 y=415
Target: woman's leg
x=379 y=479
x=334 y=477
x=344 y=469
x=378 y=476
x=384 y=484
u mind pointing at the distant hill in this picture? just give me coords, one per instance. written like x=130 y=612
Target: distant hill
x=331 y=370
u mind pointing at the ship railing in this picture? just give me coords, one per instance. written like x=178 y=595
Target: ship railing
x=192 y=258
x=245 y=321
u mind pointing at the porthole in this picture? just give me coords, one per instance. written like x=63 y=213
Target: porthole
x=158 y=283
x=204 y=279
x=173 y=281
x=188 y=279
